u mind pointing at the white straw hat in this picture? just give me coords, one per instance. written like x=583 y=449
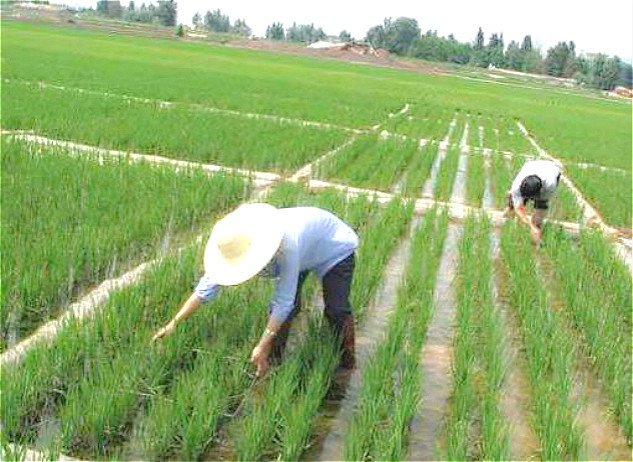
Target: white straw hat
x=242 y=243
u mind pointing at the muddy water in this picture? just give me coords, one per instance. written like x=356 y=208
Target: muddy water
x=515 y=397
x=429 y=185
x=425 y=437
x=458 y=194
x=603 y=437
x=334 y=413
x=488 y=201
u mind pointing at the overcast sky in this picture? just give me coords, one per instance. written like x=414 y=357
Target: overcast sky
x=605 y=26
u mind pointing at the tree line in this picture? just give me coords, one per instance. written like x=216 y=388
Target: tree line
x=403 y=37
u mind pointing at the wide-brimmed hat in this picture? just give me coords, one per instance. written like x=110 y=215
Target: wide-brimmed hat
x=242 y=243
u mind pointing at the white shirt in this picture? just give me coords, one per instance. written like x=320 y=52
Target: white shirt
x=546 y=170
x=314 y=239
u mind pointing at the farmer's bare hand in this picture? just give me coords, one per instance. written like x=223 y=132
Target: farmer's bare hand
x=165 y=330
x=536 y=235
x=259 y=357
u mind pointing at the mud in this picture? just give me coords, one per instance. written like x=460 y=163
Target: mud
x=488 y=200
x=425 y=438
x=330 y=428
x=515 y=394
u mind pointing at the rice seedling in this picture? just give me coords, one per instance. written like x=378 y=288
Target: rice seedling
x=422 y=121
x=475 y=180
x=596 y=288
x=479 y=366
x=608 y=191
x=389 y=391
x=446 y=175
x=178 y=132
x=371 y=162
x=70 y=223
x=550 y=353
x=419 y=170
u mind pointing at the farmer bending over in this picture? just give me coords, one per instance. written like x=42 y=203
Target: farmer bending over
x=285 y=244
x=537 y=180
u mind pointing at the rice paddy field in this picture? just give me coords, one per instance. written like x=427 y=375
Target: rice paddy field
x=119 y=153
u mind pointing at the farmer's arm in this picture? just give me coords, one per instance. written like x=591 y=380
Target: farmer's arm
x=535 y=232
x=280 y=306
x=204 y=292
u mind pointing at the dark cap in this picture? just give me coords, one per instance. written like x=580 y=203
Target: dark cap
x=530 y=186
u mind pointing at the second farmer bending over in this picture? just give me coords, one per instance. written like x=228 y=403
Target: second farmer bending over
x=537 y=180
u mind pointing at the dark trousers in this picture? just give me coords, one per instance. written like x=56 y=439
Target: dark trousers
x=337 y=284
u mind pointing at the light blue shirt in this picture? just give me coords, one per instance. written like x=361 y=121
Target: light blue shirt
x=314 y=240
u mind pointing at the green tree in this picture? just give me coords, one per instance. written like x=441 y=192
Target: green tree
x=196 y=20
x=401 y=34
x=561 y=60
x=275 y=31
x=216 y=21
x=241 y=28
x=514 y=56
x=167 y=12
x=345 y=36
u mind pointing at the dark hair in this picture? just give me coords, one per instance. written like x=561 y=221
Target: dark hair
x=530 y=186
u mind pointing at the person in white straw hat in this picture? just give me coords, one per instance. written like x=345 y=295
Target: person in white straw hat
x=285 y=244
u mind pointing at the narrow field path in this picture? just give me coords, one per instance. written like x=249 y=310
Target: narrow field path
x=425 y=440
x=370 y=332
x=515 y=397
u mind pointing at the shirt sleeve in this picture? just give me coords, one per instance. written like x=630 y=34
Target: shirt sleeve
x=283 y=301
x=206 y=290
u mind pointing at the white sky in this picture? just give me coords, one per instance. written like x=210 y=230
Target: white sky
x=605 y=26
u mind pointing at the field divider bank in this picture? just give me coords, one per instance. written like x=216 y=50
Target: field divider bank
x=430 y=183
x=200 y=107
x=259 y=178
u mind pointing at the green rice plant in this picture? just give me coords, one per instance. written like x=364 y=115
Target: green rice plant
x=550 y=352
x=564 y=206
x=419 y=170
x=479 y=364
x=178 y=132
x=596 y=288
x=69 y=223
x=446 y=174
x=475 y=180
x=608 y=191
x=423 y=120
x=511 y=139
x=370 y=162
x=389 y=391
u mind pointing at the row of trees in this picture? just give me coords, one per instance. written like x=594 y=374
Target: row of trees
x=215 y=21
x=164 y=13
x=403 y=37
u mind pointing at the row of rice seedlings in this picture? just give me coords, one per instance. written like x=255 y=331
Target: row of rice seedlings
x=550 y=353
x=446 y=174
x=479 y=365
x=473 y=133
x=179 y=132
x=422 y=121
x=69 y=223
x=370 y=162
x=475 y=180
x=390 y=389
x=279 y=419
x=564 y=206
x=231 y=78
x=419 y=170
x=96 y=376
x=596 y=288
x=608 y=191
x=511 y=139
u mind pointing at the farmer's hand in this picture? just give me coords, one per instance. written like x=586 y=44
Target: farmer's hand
x=259 y=357
x=165 y=330
x=536 y=235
